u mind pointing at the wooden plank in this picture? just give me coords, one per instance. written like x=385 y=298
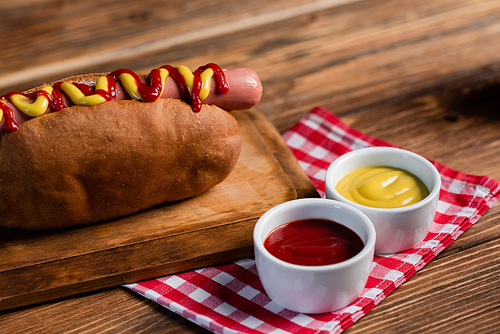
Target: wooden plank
x=455 y=126
x=211 y=228
x=365 y=53
x=94 y=34
x=117 y=310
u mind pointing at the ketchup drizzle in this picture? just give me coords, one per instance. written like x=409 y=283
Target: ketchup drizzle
x=152 y=93
x=222 y=85
x=111 y=94
x=8 y=114
x=42 y=92
x=57 y=103
x=147 y=92
x=179 y=81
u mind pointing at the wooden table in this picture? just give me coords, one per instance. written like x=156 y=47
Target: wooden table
x=424 y=75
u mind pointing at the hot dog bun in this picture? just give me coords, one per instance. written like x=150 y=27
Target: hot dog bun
x=86 y=164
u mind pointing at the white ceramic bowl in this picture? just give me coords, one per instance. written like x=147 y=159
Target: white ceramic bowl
x=314 y=289
x=398 y=229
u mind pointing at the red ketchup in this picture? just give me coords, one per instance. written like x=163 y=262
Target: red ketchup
x=313 y=242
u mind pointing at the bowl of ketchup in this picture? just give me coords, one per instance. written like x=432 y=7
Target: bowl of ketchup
x=314 y=255
x=397 y=189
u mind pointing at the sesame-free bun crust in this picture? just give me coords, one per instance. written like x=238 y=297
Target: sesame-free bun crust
x=88 y=164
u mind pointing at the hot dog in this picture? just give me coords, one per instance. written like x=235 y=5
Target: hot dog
x=153 y=140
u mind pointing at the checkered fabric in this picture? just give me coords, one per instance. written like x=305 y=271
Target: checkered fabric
x=229 y=298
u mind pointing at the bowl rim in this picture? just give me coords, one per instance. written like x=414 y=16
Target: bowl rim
x=434 y=192
x=302 y=202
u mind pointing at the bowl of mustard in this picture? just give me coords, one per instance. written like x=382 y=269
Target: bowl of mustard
x=397 y=189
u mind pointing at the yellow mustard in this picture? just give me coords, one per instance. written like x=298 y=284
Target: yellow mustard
x=382 y=187
x=79 y=98
x=34 y=109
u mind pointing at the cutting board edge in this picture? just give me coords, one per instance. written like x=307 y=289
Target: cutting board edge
x=235 y=249
x=283 y=155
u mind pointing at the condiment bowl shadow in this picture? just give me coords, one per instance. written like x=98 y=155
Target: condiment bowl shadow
x=398 y=229
x=314 y=289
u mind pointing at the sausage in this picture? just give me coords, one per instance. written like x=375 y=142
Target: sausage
x=244 y=93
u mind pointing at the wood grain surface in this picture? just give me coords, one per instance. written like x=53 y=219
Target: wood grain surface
x=424 y=75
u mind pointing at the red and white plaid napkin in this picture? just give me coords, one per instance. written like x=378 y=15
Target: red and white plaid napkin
x=229 y=298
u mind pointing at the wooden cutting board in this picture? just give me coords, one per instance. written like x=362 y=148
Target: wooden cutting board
x=214 y=227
